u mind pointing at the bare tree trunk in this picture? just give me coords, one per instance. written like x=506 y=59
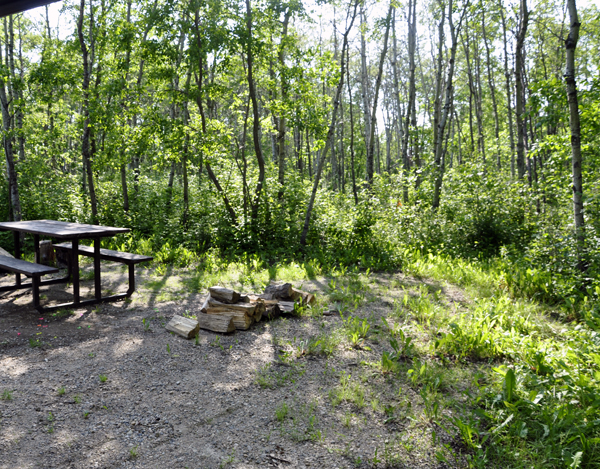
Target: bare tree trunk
x=330 y=133
x=255 y=114
x=352 y=167
x=7 y=138
x=85 y=140
x=371 y=147
x=281 y=127
x=576 y=159
x=520 y=95
x=508 y=95
x=410 y=110
x=364 y=81
x=445 y=112
x=492 y=86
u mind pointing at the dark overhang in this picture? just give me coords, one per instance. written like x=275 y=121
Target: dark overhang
x=10 y=7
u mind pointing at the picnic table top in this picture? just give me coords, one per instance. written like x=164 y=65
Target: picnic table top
x=61 y=229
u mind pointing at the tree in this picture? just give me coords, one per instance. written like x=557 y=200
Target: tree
x=575 y=126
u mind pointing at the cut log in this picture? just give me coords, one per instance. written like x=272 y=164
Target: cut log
x=216 y=322
x=185 y=327
x=213 y=306
x=271 y=312
x=305 y=297
x=224 y=295
x=279 y=291
x=286 y=306
x=240 y=319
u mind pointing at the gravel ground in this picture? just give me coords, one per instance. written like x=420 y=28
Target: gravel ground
x=98 y=387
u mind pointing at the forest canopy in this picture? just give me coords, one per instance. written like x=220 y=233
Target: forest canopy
x=346 y=134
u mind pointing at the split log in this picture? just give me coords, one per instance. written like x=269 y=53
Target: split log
x=241 y=320
x=216 y=322
x=271 y=312
x=286 y=306
x=241 y=313
x=224 y=295
x=212 y=306
x=185 y=327
x=305 y=297
x=279 y=291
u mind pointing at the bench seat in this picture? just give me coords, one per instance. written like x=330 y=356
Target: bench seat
x=30 y=269
x=106 y=254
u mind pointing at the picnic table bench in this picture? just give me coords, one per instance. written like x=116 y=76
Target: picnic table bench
x=35 y=271
x=72 y=232
x=108 y=255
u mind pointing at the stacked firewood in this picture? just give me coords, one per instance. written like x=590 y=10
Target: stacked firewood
x=226 y=310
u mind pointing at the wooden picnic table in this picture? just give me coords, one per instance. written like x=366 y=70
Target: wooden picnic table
x=73 y=232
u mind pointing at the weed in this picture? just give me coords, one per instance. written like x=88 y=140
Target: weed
x=77 y=399
x=134 y=452
x=197 y=340
x=50 y=417
x=269 y=377
x=91 y=354
x=33 y=343
x=228 y=460
x=348 y=391
x=103 y=378
x=146 y=323
x=7 y=395
x=217 y=342
x=86 y=414
x=168 y=349
x=282 y=412
x=61 y=391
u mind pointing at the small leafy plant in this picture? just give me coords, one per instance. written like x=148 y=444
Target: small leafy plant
x=103 y=378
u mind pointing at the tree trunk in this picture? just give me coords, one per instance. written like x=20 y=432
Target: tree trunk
x=371 y=147
x=255 y=115
x=8 y=150
x=520 y=92
x=364 y=81
x=352 y=167
x=576 y=159
x=445 y=112
x=281 y=127
x=85 y=140
x=330 y=133
x=508 y=95
x=492 y=85
x=410 y=109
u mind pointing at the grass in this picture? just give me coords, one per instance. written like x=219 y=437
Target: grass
x=61 y=391
x=134 y=452
x=7 y=395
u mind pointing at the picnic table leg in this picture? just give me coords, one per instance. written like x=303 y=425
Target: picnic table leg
x=131 y=288
x=36 y=248
x=17 y=242
x=75 y=270
x=35 y=280
x=97 y=285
